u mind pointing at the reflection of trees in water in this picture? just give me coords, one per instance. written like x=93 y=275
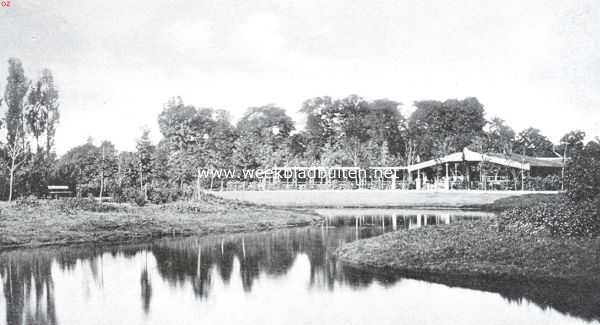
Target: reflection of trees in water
x=27 y=282
x=29 y=289
x=145 y=286
x=272 y=254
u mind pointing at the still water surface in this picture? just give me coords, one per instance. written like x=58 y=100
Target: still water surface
x=281 y=277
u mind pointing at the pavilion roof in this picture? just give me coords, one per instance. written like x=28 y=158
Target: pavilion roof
x=509 y=160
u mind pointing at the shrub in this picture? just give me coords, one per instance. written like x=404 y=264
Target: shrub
x=70 y=205
x=583 y=173
x=140 y=199
x=551 y=183
x=27 y=202
x=563 y=217
x=548 y=183
x=163 y=195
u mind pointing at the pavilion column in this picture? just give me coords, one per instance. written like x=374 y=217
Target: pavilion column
x=447 y=178
x=468 y=173
x=394 y=180
x=418 y=179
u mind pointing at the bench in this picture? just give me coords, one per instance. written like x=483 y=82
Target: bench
x=57 y=190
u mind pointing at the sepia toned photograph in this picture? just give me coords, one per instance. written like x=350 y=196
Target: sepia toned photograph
x=299 y=162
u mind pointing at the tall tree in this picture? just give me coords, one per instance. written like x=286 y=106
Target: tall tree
x=49 y=101
x=145 y=154
x=321 y=128
x=14 y=94
x=353 y=135
x=383 y=123
x=187 y=131
x=36 y=116
x=107 y=164
x=220 y=141
x=445 y=127
x=16 y=89
x=263 y=131
x=184 y=126
x=268 y=117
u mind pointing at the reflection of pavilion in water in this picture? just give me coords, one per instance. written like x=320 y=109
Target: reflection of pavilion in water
x=386 y=220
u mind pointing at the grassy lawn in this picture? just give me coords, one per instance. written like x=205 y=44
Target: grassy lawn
x=40 y=223
x=477 y=249
x=371 y=198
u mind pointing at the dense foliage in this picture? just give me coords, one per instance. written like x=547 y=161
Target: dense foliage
x=562 y=217
x=583 y=172
x=576 y=213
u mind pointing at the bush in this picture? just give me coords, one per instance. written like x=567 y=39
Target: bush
x=583 y=173
x=140 y=199
x=563 y=217
x=27 y=202
x=163 y=195
x=548 y=183
x=70 y=205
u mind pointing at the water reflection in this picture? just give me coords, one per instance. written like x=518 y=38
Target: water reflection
x=287 y=276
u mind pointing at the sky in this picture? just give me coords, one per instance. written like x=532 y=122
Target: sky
x=531 y=63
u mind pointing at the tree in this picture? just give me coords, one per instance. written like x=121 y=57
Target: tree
x=107 y=164
x=187 y=130
x=14 y=94
x=257 y=119
x=321 y=128
x=263 y=131
x=441 y=128
x=16 y=89
x=571 y=143
x=245 y=153
x=184 y=126
x=499 y=137
x=531 y=142
x=36 y=116
x=383 y=123
x=353 y=111
x=145 y=154
x=78 y=168
x=220 y=141
x=15 y=152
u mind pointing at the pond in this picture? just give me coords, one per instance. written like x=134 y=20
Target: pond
x=280 y=277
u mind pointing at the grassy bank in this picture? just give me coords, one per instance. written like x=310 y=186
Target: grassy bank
x=38 y=223
x=516 y=201
x=477 y=249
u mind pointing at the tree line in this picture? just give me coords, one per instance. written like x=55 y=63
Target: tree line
x=349 y=131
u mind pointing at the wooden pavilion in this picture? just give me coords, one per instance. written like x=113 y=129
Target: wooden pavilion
x=474 y=170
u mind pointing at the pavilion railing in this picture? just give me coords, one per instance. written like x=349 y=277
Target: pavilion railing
x=488 y=184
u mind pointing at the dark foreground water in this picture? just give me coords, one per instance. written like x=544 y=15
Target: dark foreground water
x=280 y=277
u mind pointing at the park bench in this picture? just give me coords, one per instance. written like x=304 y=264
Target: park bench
x=56 y=191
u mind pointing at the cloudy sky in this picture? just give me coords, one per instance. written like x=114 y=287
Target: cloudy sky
x=534 y=63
